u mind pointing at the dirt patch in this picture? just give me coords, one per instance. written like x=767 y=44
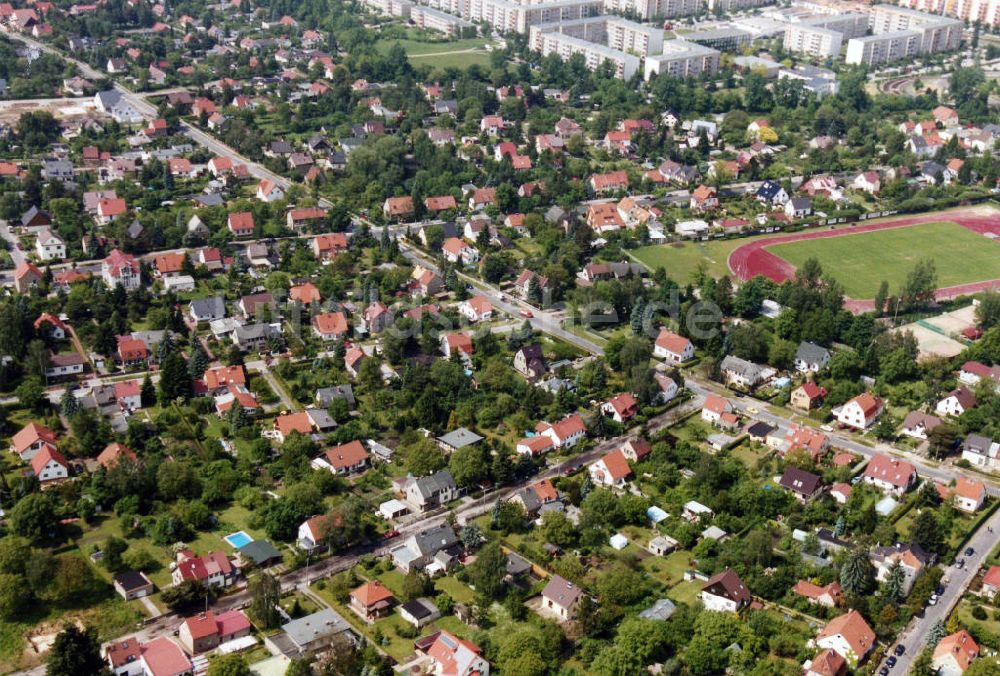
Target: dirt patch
x=61 y=109
x=41 y=638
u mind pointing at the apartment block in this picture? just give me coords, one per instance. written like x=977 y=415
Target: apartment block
x=937 y=33
x=655 y=9
x=883 y=48
x=682 y=59
x=985 y=11
x=435 y=19
x=594 y=54
x=735 y=5
x=611 y=31
x=399 y=8
x=812 y=40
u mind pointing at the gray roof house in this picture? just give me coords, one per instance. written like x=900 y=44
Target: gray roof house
x=207 y=309
x=743 y=373
x=431 y=491
x=420 y=548
x=306 y=636
x=326 y=395
x=458 y=438
x=253 y=337
x=810 y=357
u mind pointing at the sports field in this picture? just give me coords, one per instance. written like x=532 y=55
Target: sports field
x=861 y=261
x=681 y=260
x=458 y=53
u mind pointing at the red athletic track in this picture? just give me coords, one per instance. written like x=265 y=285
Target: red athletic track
x=754 y=259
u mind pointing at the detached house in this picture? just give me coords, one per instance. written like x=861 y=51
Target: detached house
x=673 y=348
x=889 y=474
x=241 y=224
x=49 y=247
x=330 y=326
x=954 y=654
x=398 y=207
x=611 y=471
x=565 y=433
x=912 y=559
x=31 y=439
x=456 y=250
x=621 y=408
x=918 y=424
x=48 y=464
x=849 y=636
x=830 y=596
x=860 y=412
x=957 y=402
x=725 y=592
x=811 y=358
x=121 y=269
x=803 y=485
x=345 y=459
x=807 y=396
x=968 y=495
x=476 y=309
x=212 y=570
x=371 y=601
x=560 y=597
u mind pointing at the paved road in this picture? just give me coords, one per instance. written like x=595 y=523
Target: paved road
x=914 y=637
x=260 y=367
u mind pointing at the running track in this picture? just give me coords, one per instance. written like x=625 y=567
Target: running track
x=754 y=259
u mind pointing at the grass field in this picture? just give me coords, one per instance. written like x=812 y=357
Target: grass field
x=860 y=262
x=445 y=54
x=681 y=261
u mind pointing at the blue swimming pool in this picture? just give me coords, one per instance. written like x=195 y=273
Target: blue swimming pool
x=238 y=540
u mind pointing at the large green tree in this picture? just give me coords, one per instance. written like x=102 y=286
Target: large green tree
x=75 y=652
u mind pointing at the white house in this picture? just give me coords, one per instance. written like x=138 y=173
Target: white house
x=849 y=636
x=672 y=347
x=811 y=358
x=560 y=597
x=969 y=495
x=49 y=465
x=269 y=191
x=725 y=592
x=954 y=653
x=476 y=309
x=611 y=471
x=861 y=411
x=890 y=474
x=956 y=402
x=565 y=433
x=456 y=250
x=49 y=247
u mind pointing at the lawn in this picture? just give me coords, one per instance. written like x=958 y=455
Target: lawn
x=861 y=262
x=682 y=260
x=444 y=54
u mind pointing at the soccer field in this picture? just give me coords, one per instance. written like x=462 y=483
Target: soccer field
x=860 y=262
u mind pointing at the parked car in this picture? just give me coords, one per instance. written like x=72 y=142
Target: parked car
x=527 y=314
x=969 y=551
x=900 y=649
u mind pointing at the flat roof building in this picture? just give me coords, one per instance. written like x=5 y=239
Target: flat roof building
x=681 y=58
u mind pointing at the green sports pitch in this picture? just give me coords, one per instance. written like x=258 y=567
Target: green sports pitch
x=860 y=262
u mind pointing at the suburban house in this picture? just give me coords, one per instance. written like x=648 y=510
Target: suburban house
x=371 y=601
x=811 y=358
x=621 y=408
x=310 y=635
x=49 y=247
x=889 y=474
x=849 y=636
x=954 y=653
x=133 y=584
x=48 y=464
x=456 y=250
x=742 y=373
x=287 y=423
x=860 y=412
x=804 y=485
x=918 y=424
x=345 y=459
x=830 y=596
x=529 y=361
x=32 y=438
x=163 y=657
x=565 y=433
x=636 y=450
x=611 y=471
x=27 y=276
x=123 y=657
x=421 y=549
x=212 y=570
x=476 y=309
x=419 y=612
x=560 y=597
x=714 y=408
x=912 y=559
x=991 y=582
x=667 y=388
x=453 y=656
x=313 y=531
x=956 y=402
x=428 y=492
x=121 y=269
x=535 y=446
x=672 y=347
x=209 y=630
x=725 y=592
x=981 y=451
x=968 y=495
x=826 y=663
x=807 y=396
x=240 y=224
x=330 y=326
